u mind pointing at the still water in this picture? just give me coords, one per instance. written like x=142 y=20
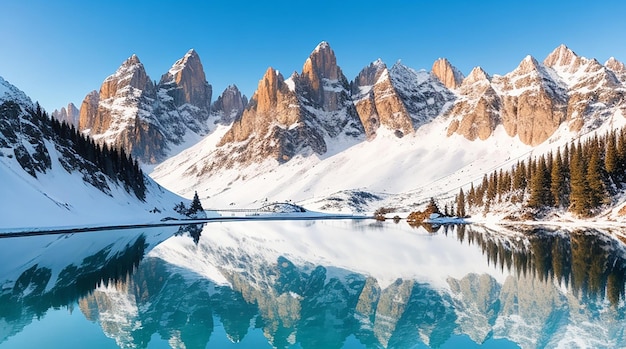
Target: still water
x=314 y=284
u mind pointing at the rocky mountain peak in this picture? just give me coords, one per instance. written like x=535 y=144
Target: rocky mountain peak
x=476 y=75
x=130 y=74
x=88 y=111
x=447 y=73
x=9 y=92
x=230 y=104
x=71 y=114
x=527 y=65
x=617 y=67
x=146 y=120
x=269 y=89
x=187 y=75
x=321 y=64
x=561 y=56
x=368 y=77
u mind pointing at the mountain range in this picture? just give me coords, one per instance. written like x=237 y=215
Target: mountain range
x=391 y=136
x=394 y=135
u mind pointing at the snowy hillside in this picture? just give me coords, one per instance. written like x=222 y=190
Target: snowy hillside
x=46 y=183
x=401 y=172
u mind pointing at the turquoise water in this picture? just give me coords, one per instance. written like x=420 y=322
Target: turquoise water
x=531 y=289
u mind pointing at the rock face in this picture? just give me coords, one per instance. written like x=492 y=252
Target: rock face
x=88 y=112
x=187 y=80
x=146 y=120
x=229 y=105
x=447 y=74
x=533 y=104
x=183 y=99
x=71 y=115
x=618 y=68
x=300 y=115
x=399 y=98
x=594 y=90
x=476 y=112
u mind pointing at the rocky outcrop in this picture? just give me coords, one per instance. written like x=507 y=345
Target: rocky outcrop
x=477 y=112
x=377 y=102
x=189 y=82
x=424 y=96
x=71 y=115
x=88 y=113
x=229 y=105
x=294 y=116
x=533 y=103
x=272 y=126
x=183 y=100
x=399 y=98
x=124 y=117
x=594 y=91
x=535 y=99
x=324 y=95
x=146 y=120
x=447 y=73
x=618 y=68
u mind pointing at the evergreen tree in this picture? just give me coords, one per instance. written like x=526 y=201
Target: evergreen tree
x=519 y=176
x=611 y=158
x=621 y=155
x=579 y=203
x=460 y=203
x=432 y=206
x=196 y=205
x=492 y=186
x=539 y=185
x=471 y=197
x=595 y=176
x=557 y=182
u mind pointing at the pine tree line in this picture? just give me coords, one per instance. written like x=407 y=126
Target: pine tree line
x=114 y=163
x=580 y=178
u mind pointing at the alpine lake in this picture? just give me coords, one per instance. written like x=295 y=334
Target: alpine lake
x=315 y=284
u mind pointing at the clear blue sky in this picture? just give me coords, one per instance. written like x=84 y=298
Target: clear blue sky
x=58 y=51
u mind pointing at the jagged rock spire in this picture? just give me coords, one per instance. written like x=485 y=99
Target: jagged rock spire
x=447 y=73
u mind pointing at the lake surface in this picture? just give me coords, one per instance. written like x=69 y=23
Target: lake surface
x=314 y=284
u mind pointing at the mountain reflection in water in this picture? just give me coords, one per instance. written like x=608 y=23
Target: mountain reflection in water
x=335 y=285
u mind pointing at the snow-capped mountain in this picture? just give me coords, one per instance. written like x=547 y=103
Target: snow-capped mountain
x=306 y=114
x=400 y=98
x=53 y=177
x=394 y=134
x=150 y=121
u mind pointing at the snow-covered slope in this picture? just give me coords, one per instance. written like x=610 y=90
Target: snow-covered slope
x=47 y=184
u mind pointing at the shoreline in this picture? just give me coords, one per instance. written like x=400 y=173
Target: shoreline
x=25 y=232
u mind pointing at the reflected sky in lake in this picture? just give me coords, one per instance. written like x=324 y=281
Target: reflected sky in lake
x=314 y=284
